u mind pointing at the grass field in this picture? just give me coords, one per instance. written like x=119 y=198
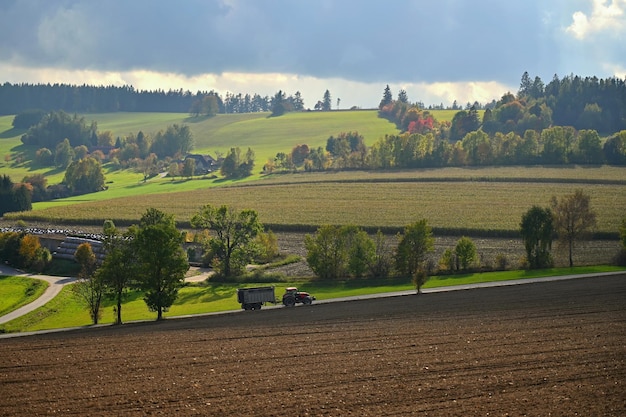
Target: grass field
x=19 y=291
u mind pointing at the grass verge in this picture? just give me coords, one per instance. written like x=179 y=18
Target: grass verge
x=66 y=311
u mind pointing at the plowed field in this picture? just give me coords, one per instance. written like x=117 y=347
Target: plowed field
x=539 y=349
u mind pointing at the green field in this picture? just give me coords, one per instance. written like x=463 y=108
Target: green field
x=19 y=291
x=491 y=198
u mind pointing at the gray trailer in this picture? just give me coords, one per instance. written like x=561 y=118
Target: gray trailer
x=254 y=298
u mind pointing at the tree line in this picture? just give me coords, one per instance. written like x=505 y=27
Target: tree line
x=552 y=146
x=149 y=257
x=18 y=98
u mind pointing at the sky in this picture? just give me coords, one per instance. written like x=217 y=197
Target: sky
x=437 y=51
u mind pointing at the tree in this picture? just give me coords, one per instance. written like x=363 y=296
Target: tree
x=278 y=104
x=161 y=260
x=118 y=266
x=573 y=217
x=387 y=97
x=89 y=287
x=233 y=244
x=537 y=230
x=326 y=254
x=327 y=102
x=14 y=197
x=84 y=176
x=465 y=252
x=416 y=241
x=63 y=154
x=361 y=251
x=236 y=166
x=189 y=167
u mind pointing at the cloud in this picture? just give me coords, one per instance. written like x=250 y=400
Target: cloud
x=439 y=49
x=606 y=16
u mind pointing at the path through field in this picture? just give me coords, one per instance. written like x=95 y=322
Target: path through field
x=554 y=348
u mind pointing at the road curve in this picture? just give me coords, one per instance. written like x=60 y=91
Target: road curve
x=54 y=288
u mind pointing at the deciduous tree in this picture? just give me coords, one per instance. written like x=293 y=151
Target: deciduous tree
x=573 y=218
x=537 y=231
x=232 y=244
x=414 y=244
x=161 y=260
x=465 y=251
x=89 y=287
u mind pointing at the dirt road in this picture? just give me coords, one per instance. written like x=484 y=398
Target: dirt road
x=554 y=348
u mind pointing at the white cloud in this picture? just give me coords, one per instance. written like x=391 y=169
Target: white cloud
x=605 y=16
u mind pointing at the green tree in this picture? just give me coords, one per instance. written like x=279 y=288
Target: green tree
x=189 y=168
x=382 y=262
x=278 y=104
x=387 y=97
x=84 y=176
x=465 y=251
x=326 y=254
x=234 y=236
x=573 y=218
x=622 y=233
x=327 y=102
x=63 y=154
x=361 y=251
x=414 y=244
x=537 y=231
x=589 y=147
x=119 y=264
x=89 y=287
x=175 y=140
x=237 y=166
x=161 y=260
x=267 y=244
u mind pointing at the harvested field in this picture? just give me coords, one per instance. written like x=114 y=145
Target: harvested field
x=555 y=348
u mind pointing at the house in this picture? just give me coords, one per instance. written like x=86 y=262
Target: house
x=204 y=163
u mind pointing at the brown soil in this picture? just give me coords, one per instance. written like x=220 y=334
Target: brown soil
x=540 y=349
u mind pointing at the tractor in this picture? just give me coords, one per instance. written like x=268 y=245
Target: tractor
x=292 y=297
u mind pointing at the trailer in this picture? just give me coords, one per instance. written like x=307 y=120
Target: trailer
x=254 y=298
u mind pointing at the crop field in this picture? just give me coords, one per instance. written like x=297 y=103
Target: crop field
x=495 y=200
x=554 y=348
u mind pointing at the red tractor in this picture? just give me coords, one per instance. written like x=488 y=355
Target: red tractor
x=292 y=296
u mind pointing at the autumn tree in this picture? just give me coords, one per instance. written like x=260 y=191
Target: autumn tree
x=573 y=219
x=234 y=232
x=161 y=260
x=537 y=230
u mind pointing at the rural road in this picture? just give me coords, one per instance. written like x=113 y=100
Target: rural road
x=57 y=283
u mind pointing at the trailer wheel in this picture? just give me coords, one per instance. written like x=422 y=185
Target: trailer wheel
x=289 y=301
x=257 y=306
